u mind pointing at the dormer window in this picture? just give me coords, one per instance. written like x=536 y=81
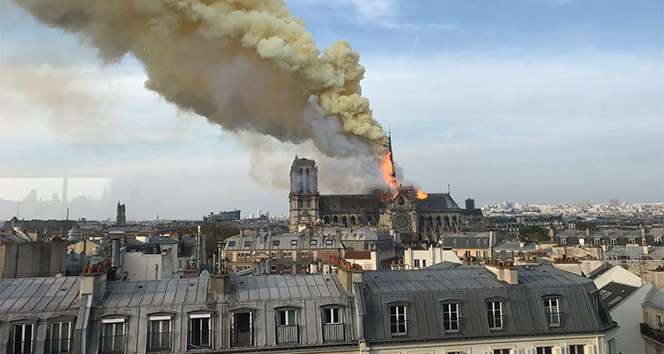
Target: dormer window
x=552 y=313
x=313 y=242
x=22 y=338
x=451 y=318
x=231 y=243
x=293 y=242
x=329 y=241
x=247 y=243
x=494 y=312
x=275 y=243
x=398 y=322
x=113 y=336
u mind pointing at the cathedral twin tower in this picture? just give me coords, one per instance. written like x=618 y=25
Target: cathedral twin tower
x=304 y=196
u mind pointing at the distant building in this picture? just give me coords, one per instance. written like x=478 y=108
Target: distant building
x=411 y=218
x=120 y=218
x=419 y=257
x=614 y=202
x=652 y=327
x=223 y=216
x=32 y=259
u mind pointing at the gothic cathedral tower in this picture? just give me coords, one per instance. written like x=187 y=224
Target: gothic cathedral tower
x=304 y=194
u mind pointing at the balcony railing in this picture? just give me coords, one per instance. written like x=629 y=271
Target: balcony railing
x=497 y=323
x=333 y=332
x=59 y=345
x=555 y=319
x=399 y=328
x=288 y=334
x=452 y=326
x=653 y=333
x=242 y=336
x=200 y=339
x=159 y=341
x=20 y=347
x=113 y=344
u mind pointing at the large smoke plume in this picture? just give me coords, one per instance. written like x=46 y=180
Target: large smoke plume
x=247 y=65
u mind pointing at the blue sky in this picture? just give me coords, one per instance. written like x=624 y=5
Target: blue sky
x=529 y=101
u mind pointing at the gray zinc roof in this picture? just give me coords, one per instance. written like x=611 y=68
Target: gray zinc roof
x=283 y=241
x=436 y=201
x=27 y=295
x=655 y=298
x=121 y=294
x=423 y=291
x=466 y=240
x=614 y=293
x=287 y=287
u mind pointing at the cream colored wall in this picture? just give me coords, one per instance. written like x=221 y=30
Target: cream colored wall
x=593 y=344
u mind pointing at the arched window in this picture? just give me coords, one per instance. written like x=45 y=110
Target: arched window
x=335 y=219
x=308 y=181
x=352 y=220
x=344 y=221
x=300 y=182
x=326 y=219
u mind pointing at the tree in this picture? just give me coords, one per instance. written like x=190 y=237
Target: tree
x=533 y=233
x=214 y=233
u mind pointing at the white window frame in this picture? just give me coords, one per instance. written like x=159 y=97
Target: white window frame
x=161 y=321
x=27 y=344
x=398 y=319
x=334 y=315
x=424 y=263
x=287 y=320
x=118 y=325
x=502 y=351
x=451 y=311
x=542 y=350
x=199 y=317
x=494 y=310
x=552 y=312
x=576 y=349
x=416 y=263
x=56 y=336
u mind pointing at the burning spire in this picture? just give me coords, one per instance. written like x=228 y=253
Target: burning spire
x=389 y=172
x=393 y=173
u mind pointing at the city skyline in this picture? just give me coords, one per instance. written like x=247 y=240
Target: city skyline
x=569 y=109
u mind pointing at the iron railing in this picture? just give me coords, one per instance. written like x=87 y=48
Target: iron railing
x=242 y=336
x=333 y=332
x=56 y=346
x=399 y=328
x=199 y=339
x=453 y=325
x=21 y=347
x=288 y=334
x=555 y=319
x=113 y=344
x=496 y=323
x=653 y=333
x=160 y=341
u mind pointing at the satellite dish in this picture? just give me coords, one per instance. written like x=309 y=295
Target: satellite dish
x=204 y=274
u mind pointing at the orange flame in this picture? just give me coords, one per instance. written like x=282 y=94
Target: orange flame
x=388 y=176
x=388 y=171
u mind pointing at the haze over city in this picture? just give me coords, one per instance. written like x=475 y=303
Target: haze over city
x=568 y=110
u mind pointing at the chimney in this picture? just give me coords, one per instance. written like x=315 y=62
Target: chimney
x=240 y=242
x=115 y=236
x=188 y=272
x=219 y=283
x=656 y=277
x=587 y=231
x=621 y=232
x=551 y=232
x=573 y=231
x=606 y=232
x=59 y=273
x=93 y=281
x=337 y=235
x=504 y=271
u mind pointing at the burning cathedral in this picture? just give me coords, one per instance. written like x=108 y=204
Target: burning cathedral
x=414 y=215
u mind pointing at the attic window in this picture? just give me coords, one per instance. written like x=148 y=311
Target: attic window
x=275 y=243
x=329 y=241
x=313 y=242
x=231 y=243
x=293 y=242
x=354 y=234
x=247 y=243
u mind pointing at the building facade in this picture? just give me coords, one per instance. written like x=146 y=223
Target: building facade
x=461 y=309
x=411 y=218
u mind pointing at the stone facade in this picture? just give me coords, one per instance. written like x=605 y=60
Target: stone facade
x=411 y=219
